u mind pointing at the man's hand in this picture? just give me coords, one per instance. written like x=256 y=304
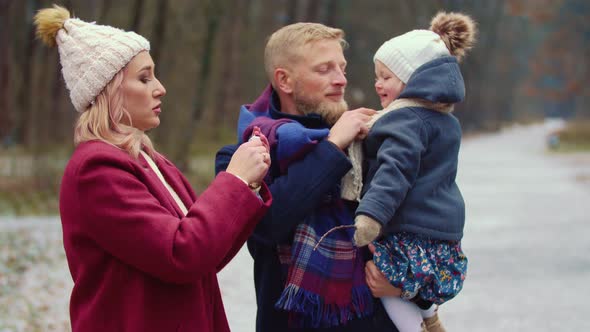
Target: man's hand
x=351 y=125
x=378 y=284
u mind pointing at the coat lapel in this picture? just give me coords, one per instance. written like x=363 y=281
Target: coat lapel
x=165 y=197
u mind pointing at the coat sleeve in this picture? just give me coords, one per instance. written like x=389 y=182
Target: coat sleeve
x=121 y=215
x=243 y=236
x=402 y=142
x=298 y=192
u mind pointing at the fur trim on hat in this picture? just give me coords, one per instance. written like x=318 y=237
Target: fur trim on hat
x=457 y=30
x=49 y=21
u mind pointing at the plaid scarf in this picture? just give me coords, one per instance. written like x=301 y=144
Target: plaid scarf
x=324 y=287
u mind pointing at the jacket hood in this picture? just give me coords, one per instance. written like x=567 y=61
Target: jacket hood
x=438 y=81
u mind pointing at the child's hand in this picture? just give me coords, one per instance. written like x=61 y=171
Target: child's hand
x=367 y=230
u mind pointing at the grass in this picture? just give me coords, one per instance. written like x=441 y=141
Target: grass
x=29 y=181
x=30 y=186
x=575 y=137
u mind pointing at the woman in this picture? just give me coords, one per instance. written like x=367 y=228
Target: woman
x=142 y=250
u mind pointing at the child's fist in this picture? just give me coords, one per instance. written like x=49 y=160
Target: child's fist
x=367 y=230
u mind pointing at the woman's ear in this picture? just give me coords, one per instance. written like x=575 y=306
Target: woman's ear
x=283 y=80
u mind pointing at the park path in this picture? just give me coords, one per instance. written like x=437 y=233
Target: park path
x=527 y=238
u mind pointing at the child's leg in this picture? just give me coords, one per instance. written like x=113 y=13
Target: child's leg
x=430 y=312
x=427 y=308
x=431 y=320
x=404 y=314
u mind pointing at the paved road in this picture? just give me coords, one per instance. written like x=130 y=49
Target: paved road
x=527 y=238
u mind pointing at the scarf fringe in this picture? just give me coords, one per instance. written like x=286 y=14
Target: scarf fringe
x=312 y=312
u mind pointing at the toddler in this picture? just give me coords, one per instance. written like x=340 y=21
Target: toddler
x=410 y=202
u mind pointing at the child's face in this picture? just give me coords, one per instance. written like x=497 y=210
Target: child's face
x=387 y=85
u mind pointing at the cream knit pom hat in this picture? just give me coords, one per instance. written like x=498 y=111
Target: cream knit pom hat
x=404 y=54
x=90 y=54
x=449 y=34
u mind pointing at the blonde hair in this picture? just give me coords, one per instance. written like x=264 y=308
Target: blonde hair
x=102 y=121
x=284 y=45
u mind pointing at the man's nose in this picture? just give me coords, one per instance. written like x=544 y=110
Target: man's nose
x=340 y=78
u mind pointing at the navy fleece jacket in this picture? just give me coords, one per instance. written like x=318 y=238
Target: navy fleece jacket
x=310 y=182
x=411 y=157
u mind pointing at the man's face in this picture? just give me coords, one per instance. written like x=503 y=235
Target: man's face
x=320 y=81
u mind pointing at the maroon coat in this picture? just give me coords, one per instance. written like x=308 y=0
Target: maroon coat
x=136 y=264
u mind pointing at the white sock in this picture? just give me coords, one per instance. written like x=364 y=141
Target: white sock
x=430 y=312
x=404 y=314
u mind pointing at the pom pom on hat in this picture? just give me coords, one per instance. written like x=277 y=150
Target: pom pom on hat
x=457 y=30
x=49 y=21
x=90 y=54
x=450 y=34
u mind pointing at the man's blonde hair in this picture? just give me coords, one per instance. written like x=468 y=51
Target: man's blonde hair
x=103 y=121
x=284 y=45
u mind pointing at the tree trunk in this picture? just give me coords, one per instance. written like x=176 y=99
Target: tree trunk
x=104 y=11
x=22 y=128
x=291 y=11
x=212 y=13
x=6 y=111
x=235 y=45
x=137 y=15
x=159 y=31
x=331 y=12
x=312 y=11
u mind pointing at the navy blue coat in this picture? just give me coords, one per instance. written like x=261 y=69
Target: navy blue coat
x=309 y=182
x=412 y=155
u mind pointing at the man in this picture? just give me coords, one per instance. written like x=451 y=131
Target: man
x=306 y=67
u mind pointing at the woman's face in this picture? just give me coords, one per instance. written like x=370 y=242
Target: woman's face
x=142 y=93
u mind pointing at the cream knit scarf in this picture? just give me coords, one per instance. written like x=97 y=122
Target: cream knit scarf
x=352 y=182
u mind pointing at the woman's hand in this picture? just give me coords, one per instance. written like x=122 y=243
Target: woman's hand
x=251 y=161
x=378 y=284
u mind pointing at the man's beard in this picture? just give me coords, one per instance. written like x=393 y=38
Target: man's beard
x=330 y=112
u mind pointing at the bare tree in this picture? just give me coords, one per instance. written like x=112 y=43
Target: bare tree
x=22 y=127
x=212 y=13
x=159 y=30
x=106 y=6
x=5 y=72
x=137 y=13
x=233 y=47
x=291 y=11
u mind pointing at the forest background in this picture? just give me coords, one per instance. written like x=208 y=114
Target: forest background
x=531 y=61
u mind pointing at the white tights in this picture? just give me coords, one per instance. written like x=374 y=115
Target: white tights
x=406 y=315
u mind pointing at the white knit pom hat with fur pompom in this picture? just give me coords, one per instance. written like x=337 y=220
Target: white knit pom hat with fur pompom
x=404 y=54
x=449 y=34
x=90 y=54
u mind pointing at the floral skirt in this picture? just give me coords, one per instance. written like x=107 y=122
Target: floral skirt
x=432 y=269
